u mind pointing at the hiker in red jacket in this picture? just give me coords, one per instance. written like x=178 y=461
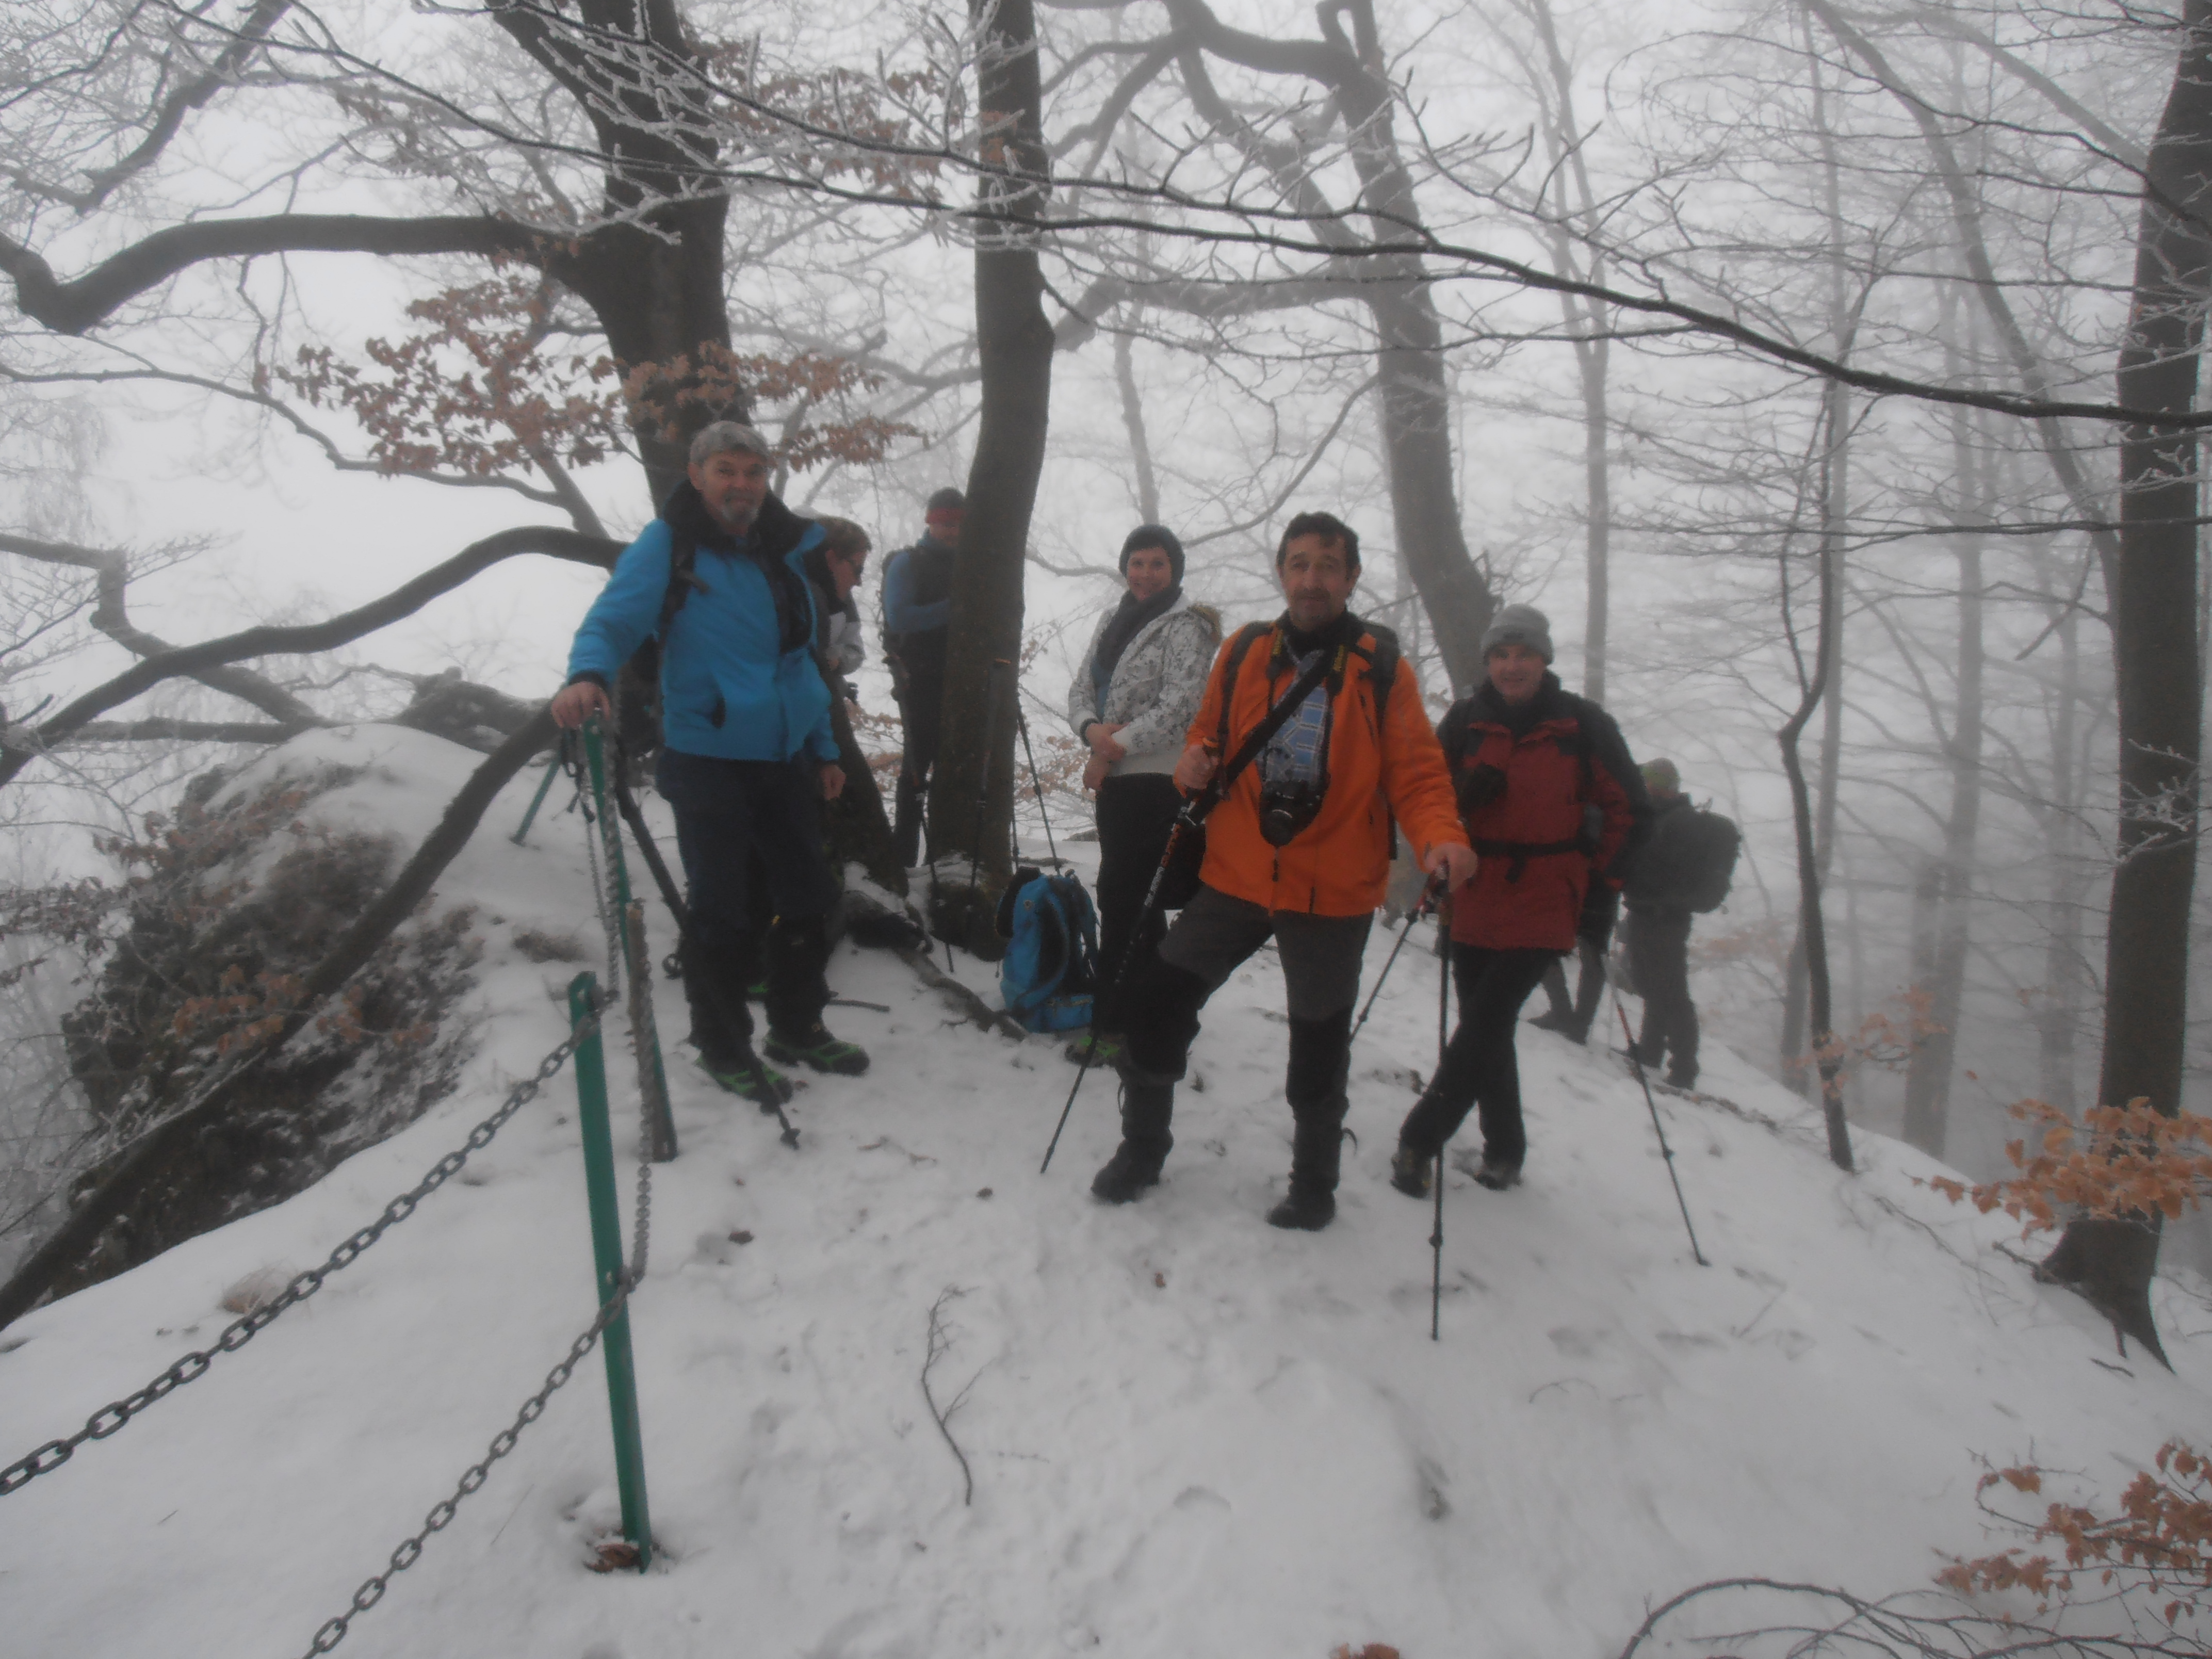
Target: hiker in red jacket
x=1550 y=797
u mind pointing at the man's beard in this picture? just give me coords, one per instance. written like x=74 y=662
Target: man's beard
x=733 y=515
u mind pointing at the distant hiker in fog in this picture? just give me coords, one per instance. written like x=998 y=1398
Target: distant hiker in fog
x=1549 y=796
x=1571 y=1017
x=748 y=752
x=1132 y=701
x=1299 y=850
x=917 y=622
x=835 y=566
x=1683 y=868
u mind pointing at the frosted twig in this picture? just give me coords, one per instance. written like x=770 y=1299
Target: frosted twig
x=940 y=1344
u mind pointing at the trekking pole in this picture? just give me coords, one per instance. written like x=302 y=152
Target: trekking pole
x=1444 y=1022
x=1665 y=1150
x=983 y=786
x=546 y=783
x=1185 y=823
x=772 y=1097
x=1036 y=783
x=1420 y=909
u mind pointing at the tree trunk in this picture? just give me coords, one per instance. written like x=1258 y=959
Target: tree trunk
x=1133 y=419
x=2058 y=1015
x=1812 y=929
x=2154 y=612
x=971 y=797
x=1935 y=1053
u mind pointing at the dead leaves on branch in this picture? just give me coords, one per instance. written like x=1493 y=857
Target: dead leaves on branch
x=2157 y=1544
x=478 y=391
x=2120 y=1160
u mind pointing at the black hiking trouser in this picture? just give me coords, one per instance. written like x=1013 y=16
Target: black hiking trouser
x=738 y=824
x=1136 y=814
x=1480 y=1068
x=1213 y=938
x=1659 y=962
x=1593 y=933
x=918 y=683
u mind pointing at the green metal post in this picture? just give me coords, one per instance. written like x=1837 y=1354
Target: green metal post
x=607 y=1255
x=638 y=963
x=544 y=784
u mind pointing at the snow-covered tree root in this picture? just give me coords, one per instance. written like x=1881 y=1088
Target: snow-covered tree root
x=84 y=1225
x=1769 y=1618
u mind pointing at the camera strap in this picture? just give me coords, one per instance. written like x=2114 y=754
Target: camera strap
x=1258 y=736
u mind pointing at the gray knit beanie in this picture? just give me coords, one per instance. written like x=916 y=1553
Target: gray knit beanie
x=1519 y=624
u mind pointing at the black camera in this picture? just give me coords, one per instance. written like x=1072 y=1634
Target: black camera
x=1285 y=810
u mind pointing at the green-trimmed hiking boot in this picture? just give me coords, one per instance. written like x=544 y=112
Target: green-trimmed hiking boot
x=1111 y=1050
x=818 y=1050
x=744 y=1078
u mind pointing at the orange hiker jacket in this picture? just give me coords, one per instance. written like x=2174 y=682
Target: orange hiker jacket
x=1338 y=864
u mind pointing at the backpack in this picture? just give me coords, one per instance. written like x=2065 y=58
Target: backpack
x=1709 y=842
x=1051 y=966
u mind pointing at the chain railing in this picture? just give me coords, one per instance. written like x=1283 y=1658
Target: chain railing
x=110 y=1419
x=473 y=1480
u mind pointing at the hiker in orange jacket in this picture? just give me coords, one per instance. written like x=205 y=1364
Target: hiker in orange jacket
x=1299 y=849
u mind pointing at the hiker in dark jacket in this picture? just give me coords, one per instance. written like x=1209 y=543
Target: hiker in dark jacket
x=917 y=623
x=1658 y=930
x=748 y=753
x=1131 y=703
x=1549 y=796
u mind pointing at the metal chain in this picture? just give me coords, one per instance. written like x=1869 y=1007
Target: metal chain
x=111 y=1417
x=473 y=1480
x=606 y=889
x=642 y=1228
x=572 y=761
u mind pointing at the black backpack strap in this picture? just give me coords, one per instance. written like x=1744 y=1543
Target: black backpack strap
x=1383 y=675
x=1240 y=647
x=683 y=577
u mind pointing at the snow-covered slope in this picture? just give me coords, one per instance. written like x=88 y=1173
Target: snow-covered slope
x=1190 y=1433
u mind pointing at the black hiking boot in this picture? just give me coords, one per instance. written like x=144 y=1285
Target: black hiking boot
x=1498 y=1176
x=1146 y=1108
x=1684 y=1078
x=1316 y=1158
x=1410 y=1170
x=819 y=1051
x=1557 y=1020
x=744 y=1075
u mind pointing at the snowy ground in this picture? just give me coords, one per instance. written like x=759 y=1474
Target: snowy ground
x=1190 y=1433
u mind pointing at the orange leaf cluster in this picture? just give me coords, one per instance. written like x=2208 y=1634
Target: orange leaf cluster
x=682 y=394
x=252 y=1015
x=2136 y=1161
x=2160 y=1541
x=473 y=393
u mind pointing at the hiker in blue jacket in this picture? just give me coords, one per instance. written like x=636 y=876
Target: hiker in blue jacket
x=747 y=751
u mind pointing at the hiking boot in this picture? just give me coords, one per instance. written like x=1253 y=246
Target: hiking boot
x=1564 y=1023
x=1146 y=1108
x=1410 y=1170
x=1684 y=1078
x=1498 y=1176
x=1307 y=1210
x=744 y=1075
x=1316 y=1157
x=818 y=1051
x=1110 y=1053
x=1134 y=1166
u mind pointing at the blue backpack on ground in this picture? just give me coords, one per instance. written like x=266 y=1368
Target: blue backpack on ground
x=1051 y=965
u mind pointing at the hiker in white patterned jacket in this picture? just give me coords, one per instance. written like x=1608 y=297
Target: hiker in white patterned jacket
x=1131 y=703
